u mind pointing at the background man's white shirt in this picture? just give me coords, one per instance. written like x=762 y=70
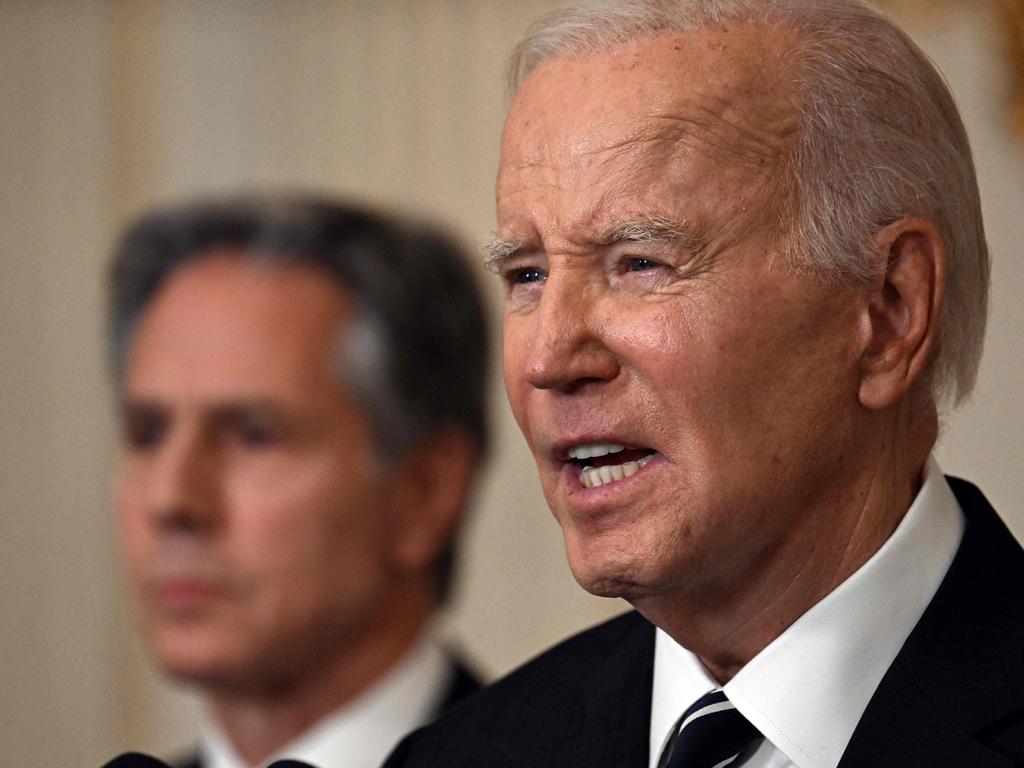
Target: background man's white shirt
x=808 y=689
x=365 y=731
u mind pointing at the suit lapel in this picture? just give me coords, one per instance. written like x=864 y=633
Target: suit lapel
x=902 y=727
x=962 y=668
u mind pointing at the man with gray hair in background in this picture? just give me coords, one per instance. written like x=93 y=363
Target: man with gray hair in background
x=302 y=390
x=744 y=270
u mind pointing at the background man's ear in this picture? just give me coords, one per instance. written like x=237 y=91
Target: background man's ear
x=903 y=310
x=428 y=493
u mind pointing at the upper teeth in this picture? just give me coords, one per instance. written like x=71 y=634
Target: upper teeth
x=591 y=450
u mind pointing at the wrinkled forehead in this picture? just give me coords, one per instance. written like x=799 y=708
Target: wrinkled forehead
x=726 y=93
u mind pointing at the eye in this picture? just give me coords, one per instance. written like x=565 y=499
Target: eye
x=143 y=432
x=255 y=434
x=525 y=275
x=644 y=272
x=640 y=265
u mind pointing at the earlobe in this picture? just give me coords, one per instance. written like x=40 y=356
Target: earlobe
x=902 y=311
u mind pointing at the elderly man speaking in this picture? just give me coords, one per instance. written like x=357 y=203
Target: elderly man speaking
x=745 y=270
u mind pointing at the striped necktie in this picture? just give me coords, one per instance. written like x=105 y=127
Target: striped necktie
x=710 y=734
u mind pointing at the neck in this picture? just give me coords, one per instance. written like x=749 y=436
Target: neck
x=260 y=721
x=727 y=627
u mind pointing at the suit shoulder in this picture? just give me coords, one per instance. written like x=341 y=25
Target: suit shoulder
x=463 y=682
x=568 y=663
x=965 y=651
x=533 y=714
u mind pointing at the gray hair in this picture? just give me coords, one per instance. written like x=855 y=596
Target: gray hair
x=880 y=140
x=415 y=353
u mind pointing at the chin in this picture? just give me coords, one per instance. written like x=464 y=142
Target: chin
x=191 y=656
x=626 y=567
x=606 y=575
x=605 y=585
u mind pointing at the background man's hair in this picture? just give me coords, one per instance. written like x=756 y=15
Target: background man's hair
x=415 y=353
x=880 y=139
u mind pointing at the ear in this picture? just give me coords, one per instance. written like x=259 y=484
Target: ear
x=902 y=311
x=429 y=488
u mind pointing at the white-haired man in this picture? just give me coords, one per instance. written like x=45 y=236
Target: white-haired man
x=745 y=267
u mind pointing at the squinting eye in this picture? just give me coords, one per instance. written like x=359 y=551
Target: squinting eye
x=640 y=265
x=525 y=275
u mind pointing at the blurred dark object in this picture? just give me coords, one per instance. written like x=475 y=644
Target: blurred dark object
x=139 y=760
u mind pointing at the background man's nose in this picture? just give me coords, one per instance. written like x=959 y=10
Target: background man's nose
x=184 y=487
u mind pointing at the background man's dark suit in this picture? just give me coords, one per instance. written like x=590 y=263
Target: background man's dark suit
x=954 y=696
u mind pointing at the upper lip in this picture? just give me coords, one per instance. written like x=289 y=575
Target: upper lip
x=188 y=581
x=177 y=572
x=560 y=448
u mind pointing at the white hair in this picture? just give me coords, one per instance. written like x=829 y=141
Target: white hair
x=880 y=140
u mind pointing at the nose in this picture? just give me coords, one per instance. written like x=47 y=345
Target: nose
x=568 y=348
x=184 y=493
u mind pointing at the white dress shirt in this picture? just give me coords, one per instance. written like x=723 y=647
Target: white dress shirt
x=807 y=690
x=363 y=733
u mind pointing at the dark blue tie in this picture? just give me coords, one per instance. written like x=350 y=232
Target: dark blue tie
x=710 y=734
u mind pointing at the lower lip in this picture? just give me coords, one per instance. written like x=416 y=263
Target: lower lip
x=187 y=594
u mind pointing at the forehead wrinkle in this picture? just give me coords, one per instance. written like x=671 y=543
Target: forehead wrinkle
x=712 y=127
x=644 y=139
x=707 y=129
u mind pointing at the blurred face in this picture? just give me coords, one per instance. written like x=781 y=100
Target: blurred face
x=686 y=395
x=254 y=517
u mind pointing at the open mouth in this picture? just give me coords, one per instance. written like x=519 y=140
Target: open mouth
x=605 y=463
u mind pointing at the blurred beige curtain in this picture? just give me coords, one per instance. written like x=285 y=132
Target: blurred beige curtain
x=59 y=641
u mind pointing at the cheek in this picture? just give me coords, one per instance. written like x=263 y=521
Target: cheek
x=672 y=350
x=666 y=331
x=306 y=534
x=514 y=356
x=737 y=367
x=776 y=380
x=133 y=530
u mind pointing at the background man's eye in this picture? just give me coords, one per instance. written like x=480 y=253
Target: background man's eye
x=256 y=435
x=144 y=434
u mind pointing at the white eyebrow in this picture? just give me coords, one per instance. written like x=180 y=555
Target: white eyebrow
x=497 y=249
x=646 y=230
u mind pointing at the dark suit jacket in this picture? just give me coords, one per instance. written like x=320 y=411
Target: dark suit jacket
x=953 y=698
x=463 y=683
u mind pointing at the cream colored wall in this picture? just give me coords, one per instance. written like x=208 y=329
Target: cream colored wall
x=60 y=629
x=984 y=440
x=111 y=106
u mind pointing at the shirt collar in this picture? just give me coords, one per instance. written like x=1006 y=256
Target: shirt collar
x=679 y=680
x=807 y=690
x=363 y=732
